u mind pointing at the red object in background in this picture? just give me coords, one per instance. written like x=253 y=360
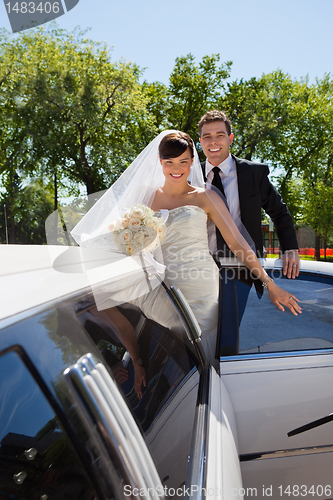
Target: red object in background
x=303 y=251
x=311 y=251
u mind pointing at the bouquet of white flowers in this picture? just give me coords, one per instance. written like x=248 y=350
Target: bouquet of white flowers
x=138 y=230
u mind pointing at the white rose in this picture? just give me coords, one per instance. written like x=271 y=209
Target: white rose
x=151 y=223
x=137 y=213
x=138 y=238
x=125 y=222
x=125 y=236
x=119 y=225
x=134 y=223
x=130 y=250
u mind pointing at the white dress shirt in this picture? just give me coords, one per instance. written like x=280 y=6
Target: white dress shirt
x=228 y=176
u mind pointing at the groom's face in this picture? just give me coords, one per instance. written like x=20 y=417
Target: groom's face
x=215 y=142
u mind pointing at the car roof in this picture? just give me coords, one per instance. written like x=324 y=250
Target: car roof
x=32 y=275
x=310 y=266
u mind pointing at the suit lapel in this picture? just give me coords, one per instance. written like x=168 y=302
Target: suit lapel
x=244 y=179
x=203 y=168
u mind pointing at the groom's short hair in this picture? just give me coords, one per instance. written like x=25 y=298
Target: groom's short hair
x=215 y=116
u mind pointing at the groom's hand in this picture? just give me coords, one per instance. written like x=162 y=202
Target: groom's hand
x=291 y=264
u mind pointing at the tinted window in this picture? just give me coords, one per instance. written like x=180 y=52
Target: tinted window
x=37 y=460
x=165 y=413
x=266 y=329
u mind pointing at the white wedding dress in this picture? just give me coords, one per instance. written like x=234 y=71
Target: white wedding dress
x=190 y=267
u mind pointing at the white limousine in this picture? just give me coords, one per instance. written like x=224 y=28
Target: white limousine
x=72 y=425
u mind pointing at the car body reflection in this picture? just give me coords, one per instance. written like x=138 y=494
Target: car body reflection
x=72 y=425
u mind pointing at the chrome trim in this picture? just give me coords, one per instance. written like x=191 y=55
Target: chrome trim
x=276 y=355
x=188 y=319
x=196 y=473
x=97 y=389
x=188 y=313
x=293 y=452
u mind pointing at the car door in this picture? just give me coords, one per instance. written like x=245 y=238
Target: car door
x=279 y=382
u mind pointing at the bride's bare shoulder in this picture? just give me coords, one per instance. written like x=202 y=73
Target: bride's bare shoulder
x=200 y=198
x=207 y=198
x=200 y=193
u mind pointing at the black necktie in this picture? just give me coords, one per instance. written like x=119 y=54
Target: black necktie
x=222 y=247
x=217 y=179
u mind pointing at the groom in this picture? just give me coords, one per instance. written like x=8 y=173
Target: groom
x=247 y=189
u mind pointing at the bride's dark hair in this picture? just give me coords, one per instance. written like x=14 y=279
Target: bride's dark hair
x=174 y=145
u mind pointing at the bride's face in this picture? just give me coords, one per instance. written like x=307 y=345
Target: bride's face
x=177 y=169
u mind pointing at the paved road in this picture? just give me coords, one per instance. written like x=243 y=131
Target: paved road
x=265 y=328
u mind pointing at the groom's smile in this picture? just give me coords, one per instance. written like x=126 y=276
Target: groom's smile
x=215 y=141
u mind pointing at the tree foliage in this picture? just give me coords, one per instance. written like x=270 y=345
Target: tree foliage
x=33 y=204
x=69 y=116
x=193 y=89
x=288 y=124
x=83 y=111
x=67 y=113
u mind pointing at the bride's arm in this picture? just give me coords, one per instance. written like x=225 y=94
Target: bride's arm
x=220 y=215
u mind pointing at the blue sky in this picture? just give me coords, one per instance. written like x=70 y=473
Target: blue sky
x=259 y=36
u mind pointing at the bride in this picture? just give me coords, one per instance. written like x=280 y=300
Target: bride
x=167 y=177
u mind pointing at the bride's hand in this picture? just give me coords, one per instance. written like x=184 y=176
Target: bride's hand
x=139 y=379
x=281 y=297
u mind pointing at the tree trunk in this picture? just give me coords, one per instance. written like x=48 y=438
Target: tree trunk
x=90 y=185
x=6 y=223
x=317 y=247
x=325 y=244
x=55 y=191
x=12 y=232
x=11 y=210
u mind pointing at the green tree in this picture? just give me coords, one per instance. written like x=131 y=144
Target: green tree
x=304 y=136
x=256 y=108
x=33 y=203
x=67 y=114
x=305 y=146
x=318 y=212
x=83 y=111
x=15 y=141
x=288 y=124
x=193 y=89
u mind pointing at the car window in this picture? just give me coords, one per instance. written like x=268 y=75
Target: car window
x=266 y=329
x=37 y=459
x=168 y=402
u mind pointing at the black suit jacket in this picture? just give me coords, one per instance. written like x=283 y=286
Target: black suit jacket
x=256 y=192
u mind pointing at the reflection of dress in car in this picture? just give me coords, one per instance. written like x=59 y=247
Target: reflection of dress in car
x=190 y=267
